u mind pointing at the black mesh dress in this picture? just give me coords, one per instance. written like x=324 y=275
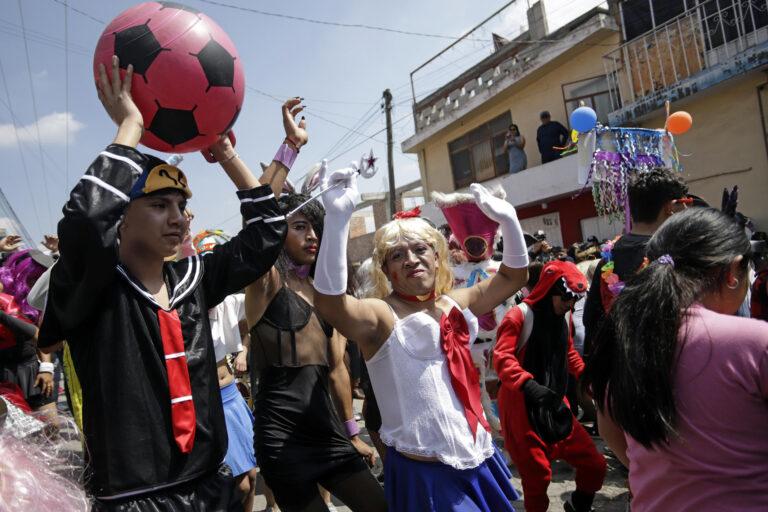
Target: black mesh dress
x=298 y=435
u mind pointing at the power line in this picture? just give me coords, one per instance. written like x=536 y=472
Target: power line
x=361 y=124
x=314 y=114
x=50 y=42
x=17 y=125
x=21 y=151
x=66 y=97
x=12 y=29
x=368 y=137
x=350 y=136
x=328 y=112
x=342 y=102
x=349 y=130
x=34 y=111
x=78 y=11
x=330 y=23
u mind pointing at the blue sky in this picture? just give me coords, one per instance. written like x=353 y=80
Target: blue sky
x=340 y=71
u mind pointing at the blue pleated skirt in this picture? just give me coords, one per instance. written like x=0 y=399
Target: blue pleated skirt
x=416 y=486
x=240 y=457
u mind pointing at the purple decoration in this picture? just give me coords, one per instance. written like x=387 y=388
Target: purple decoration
x=18 y=274
x=666 y=259
x=616 y=288
x=621 y=151
x=300 y=271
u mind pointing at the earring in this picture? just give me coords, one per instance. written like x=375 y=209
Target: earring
x=734 y=285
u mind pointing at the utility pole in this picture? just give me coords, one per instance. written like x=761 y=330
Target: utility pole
x=390 y=162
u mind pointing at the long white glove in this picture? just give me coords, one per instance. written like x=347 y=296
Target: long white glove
x=339 y=202
x=515 y=254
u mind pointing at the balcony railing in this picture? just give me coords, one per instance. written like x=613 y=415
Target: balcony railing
x=698 y=39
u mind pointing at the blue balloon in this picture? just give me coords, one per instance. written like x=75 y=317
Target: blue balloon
x=583 y=119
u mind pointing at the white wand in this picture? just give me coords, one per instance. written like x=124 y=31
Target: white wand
x=366 y=168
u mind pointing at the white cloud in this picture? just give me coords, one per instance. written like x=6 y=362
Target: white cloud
x=53 y=130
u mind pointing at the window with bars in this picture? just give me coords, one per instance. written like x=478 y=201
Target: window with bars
x=722 y=20
x=479 y=155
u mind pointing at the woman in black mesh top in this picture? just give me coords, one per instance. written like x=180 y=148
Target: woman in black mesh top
x=297 y=374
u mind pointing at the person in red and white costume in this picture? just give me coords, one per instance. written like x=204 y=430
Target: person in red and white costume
x=416 y=339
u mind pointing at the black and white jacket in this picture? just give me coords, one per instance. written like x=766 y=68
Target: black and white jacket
x=110 y=322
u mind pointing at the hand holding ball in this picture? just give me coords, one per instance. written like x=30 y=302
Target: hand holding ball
x=679 y=122
x=188 y=82
x=583 y=119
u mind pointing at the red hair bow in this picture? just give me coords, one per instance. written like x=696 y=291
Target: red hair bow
x=408 y=214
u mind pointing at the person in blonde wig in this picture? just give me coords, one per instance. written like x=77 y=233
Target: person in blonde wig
x=415 y=335
x=411 y=229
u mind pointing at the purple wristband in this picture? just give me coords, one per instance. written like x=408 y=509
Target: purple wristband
x=286 y=155
x=352 y=428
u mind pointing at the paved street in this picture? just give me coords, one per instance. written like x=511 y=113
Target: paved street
x=612 y=497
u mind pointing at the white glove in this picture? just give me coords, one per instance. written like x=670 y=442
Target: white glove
x=342 y=196
x=339 y=202
x=515 y=253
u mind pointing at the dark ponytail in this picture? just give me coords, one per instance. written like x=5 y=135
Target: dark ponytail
x=632 y=368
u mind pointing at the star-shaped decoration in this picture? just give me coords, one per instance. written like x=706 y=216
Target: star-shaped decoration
x=367 y=167
x=370 y=161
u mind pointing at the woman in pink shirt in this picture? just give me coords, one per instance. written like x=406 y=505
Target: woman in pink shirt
x=684 y=380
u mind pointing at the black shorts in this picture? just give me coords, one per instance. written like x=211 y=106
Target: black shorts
x=216 y=492
x=296 y=494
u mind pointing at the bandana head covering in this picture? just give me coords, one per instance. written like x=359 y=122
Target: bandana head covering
x=564 y=276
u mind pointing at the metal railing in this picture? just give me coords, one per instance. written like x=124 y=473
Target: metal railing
x=706 y=35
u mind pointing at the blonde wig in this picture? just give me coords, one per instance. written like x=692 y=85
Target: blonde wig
x=410 y=230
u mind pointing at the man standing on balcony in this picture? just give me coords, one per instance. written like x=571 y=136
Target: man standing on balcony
x=551 y=134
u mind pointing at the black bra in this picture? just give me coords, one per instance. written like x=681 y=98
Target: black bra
x=289 y=312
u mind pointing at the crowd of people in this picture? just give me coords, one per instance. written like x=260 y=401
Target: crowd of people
x=194 y=365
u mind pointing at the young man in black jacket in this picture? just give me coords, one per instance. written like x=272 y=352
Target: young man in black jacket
x=138 y=326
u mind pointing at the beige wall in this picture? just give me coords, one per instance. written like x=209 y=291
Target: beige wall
x=726 y=145
x=525 y=101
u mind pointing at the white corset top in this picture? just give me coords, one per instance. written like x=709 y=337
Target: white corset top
x=420 y=412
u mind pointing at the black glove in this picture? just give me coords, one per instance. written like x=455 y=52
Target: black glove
x=540 y=395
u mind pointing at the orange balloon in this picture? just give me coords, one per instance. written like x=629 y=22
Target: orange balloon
x=679 y=122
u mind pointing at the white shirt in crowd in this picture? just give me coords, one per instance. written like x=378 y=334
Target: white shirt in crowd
x=225 y=330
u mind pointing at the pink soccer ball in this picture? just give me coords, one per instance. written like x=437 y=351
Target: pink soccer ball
x=188 y=82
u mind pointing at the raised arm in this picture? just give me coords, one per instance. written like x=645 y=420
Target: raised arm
x=252 y=253
x=367 y=321
x=276 y=172
x=89 y=227
x=513 y=272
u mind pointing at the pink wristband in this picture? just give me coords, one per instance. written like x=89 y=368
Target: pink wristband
x=352 y=428
x=286 y=155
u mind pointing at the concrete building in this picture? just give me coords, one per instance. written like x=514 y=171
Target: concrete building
x=624 y=60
